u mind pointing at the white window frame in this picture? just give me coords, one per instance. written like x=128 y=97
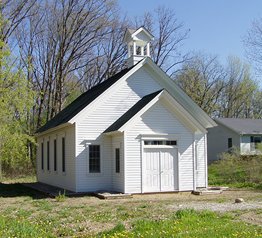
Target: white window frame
x=43 y=155
x=196 y=155
x=94 y=142
x=159 y=137
x=48 y=155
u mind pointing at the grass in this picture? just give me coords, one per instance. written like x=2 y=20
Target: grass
x=237 y=171
x=26 y=213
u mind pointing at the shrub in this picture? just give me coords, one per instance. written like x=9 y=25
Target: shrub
x=236 y=170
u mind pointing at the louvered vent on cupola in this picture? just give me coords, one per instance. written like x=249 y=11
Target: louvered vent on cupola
x=138 y=44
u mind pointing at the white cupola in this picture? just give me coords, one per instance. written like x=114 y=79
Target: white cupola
x=138 y=44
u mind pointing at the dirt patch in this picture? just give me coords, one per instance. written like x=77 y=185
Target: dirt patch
x=252 y=217
x=89 y=214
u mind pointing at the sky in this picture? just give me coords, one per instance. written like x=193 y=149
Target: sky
x=216 y=26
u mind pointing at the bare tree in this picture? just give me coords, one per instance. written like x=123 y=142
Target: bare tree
x=253 y=45
x=169 y=37
x=12 y=13
x=65 y=38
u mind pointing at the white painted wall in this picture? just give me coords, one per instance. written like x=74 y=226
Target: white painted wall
x=217 y=141
x=158 y=120
x=245 y=145
x=65 y=180
x=201 y=161
x=97 y=119
x=118 y=178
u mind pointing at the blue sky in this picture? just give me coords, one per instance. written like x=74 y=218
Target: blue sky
x=216 y=26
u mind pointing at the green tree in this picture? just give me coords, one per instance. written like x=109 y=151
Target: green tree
x=241 y=91
x=16 y=101
x=228 y=91
x=202 y=78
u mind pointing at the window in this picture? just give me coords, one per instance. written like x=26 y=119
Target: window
x=48 y=155
x=117 y=157
x=229 y=143
x=255 y=141
x=160 y=142
x=42 y=156
x=55 y=156
x=196 y=155
x=94 y=158
x=63 y=154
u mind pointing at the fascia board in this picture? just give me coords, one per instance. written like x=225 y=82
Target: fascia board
x=182 y=112
x=104 y=95
x=145 y=30
x=112 y=133
x=137 y=116
x=53 y=129
x=183 y=98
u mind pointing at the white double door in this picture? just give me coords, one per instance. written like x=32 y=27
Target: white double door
x=160 y=170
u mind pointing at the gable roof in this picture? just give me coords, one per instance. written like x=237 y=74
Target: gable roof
x=131 y=112
x=242 y=125
x=145 y=103
x=81 y=102
x=75 y=109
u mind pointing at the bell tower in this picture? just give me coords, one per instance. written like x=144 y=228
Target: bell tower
x=138 y=44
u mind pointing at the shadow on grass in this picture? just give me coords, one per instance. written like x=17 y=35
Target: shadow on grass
x=19 y=190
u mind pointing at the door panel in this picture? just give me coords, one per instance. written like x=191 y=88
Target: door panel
x=167 y=170
x=152 y=175
x=160 y=168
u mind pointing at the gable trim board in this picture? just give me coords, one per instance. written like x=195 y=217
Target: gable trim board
x=91 y=112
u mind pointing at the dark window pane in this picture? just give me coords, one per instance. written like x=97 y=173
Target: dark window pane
x=63 y=154
x=48 y=156
x=117 y=160
x=42 y=156
x=229 y=143
x=94 y=159
x=55 y=156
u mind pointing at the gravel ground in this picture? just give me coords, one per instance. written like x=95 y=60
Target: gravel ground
x=219 y=207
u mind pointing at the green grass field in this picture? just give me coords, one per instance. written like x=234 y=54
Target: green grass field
x=26 y=213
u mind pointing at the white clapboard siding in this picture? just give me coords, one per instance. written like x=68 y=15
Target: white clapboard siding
x=67 y=179
x=201 y=161
x=95 y=121
x=158 y=120
x=118 y=178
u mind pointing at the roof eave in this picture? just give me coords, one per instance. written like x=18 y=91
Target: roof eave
x=66 y=124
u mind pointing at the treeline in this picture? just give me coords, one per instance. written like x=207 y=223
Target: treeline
x=62 y=48
x=221 y=90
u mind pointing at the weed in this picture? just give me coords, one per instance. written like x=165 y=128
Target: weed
x=121 y=208
x=61 y=197
x=221 y=200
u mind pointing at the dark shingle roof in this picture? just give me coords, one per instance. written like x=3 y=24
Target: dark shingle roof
x=242 y=126
x=81 y=102
x=131 y=112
